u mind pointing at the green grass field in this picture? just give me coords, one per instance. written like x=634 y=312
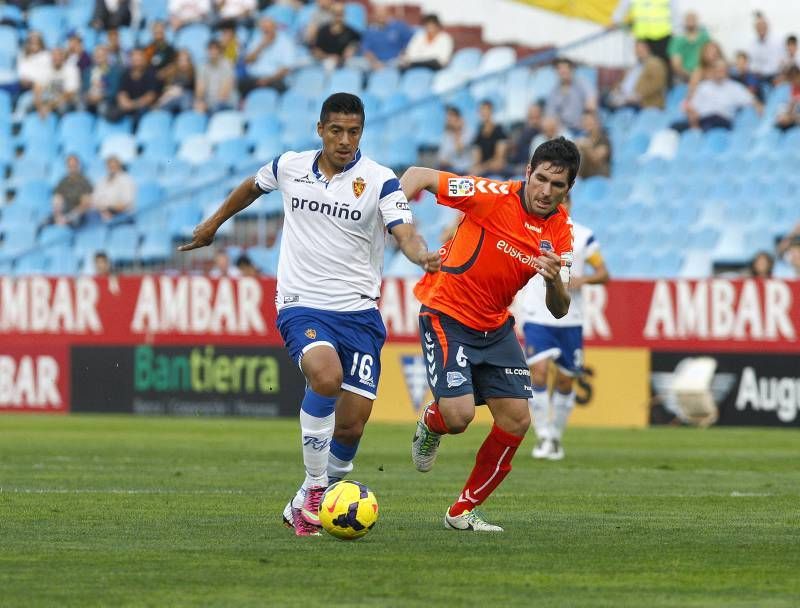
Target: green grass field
x=109 y=511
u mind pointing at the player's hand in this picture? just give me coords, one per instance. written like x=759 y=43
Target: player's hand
x=431 y=261
x=202 y=236
x=548 y=265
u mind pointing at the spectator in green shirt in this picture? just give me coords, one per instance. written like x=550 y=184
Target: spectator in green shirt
x=684 y=50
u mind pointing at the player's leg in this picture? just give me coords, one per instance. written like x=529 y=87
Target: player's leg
x=540 y=348
x=352 y=413
x=568 y=366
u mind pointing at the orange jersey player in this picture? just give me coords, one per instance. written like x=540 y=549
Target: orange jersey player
x=510 y=232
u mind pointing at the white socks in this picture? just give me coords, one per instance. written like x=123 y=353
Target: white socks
x=562 y=408
x=316 y=437
x=539 y=405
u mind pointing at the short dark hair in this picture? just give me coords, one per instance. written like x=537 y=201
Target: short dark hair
x=341 y=103
x=214 y=43
x=564 y=60
x=560 y=152
x=452 y=110
x=431 y=18
x=791 y=39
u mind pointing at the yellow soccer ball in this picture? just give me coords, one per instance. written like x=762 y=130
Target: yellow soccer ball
x=348 y=510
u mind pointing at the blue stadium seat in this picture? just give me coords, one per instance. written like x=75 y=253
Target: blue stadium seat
x=416 y=83
x=268 y=148
x=50 y=21
x=21 y=238
x=345 y=80
x=90 y=240
x=54 y=234
x=148 y=194
x=195 y=149
x=39 y=150
x=194 y=37
x=75 y=125
x=497 y=58
x=104 y=128
x=121 y=145
x=182 y=220
x=154 y=125
x=16 y=215
x=225 y=125
x=144 y=167
x=308 y=83
x=35 y=127
x=263 y=126
x=12 y=14
x=260 y=101
x=467 y=59
x=123 y=244
x=78 y=15
x=156 y=247
x=24 y=171
x=449 y=78
x=384 y=82
x=9 y=44
x=153 y=10
x=32 y=263
x=188 y=123
x=232 y=151
x=60 y=260
x=282 y=14
x=265 y=259
x=160 y=150
x=355 y=15
x=543 y=81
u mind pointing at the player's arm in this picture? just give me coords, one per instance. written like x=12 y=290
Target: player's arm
x=242 y=196
x=600 y=276
x=415 y=249
x=417 y=179
x=556 y=297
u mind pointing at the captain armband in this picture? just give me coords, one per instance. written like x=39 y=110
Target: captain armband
x=566 y=266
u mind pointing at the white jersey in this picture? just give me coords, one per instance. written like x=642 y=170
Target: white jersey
x=534 y=308
x=331 y=254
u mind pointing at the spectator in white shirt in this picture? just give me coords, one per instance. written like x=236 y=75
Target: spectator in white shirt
x=33 y=62
x=183 y=12
x=431 y=47
x=114 y=193
x=716 y=101
x=237 y=10
x=790 y=57
x=766 y=53
x=58 y=92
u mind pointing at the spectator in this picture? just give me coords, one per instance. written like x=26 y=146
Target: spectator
x=241 y=11
x=103 y=85
x=228 y=41
x=594 y=145
x=519 y=154
x=431 y=47
x=77 y=56
x=215 y=87
x=319 y=16
x=791 y=57
x=59 y=91
x=709 y=55
x=684 y=50
x=138 y=89
x=789 y=252
x=246 y=267
x=268 y=58
x=72 y=196
x=761 y=266
x=551 y=129
x=33 y=61
x=789 y=115
x=645 y=84
x=179 y=83
x=652 y=21
x=766 y=53
x=110 y=14
x=336 y=42
x=455 y=149
x=489 y=145
x=385 y=39
x=116 y=54
x=184 y=12
x=222 y=266
x=159 y=54
x=114 y=193
x=570 y=97
x=741 y=72
x=102 y=265
x=716 y=101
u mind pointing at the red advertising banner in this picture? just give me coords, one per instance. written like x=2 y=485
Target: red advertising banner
x=34 y=379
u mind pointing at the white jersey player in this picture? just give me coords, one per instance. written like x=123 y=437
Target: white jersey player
x=559 y=340
x=338 y=206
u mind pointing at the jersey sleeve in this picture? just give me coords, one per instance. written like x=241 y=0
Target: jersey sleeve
x=267 y=176
x=564 y=247
x=393 y=203
x=470 y=194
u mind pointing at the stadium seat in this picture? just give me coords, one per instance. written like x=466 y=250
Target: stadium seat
x=78 y=15
x=345 y=80
x=268 y=148
x=121 y=145
x=9 y=44
x=188 y=123
x=160 y=150
x=22 y=238
x=153 y=125
x=11 y=14
x=309 y=82
x=195 y=149
x=54 y=234
x=148 y=194
x=263 y=126
x=90 y=240
x=416 y=83
x=282 y=14
x=543 y=81
x=194 y=38
x=227 y=124
x=384 y=82
x=156 y=247
x=144 y=167
x=355 y=15
x=31 y=263
x=497 y=58
x=123 y=244
x=38 y=128
x=75 y=125
x=260 y=101
x=50 y=21
x=265 y=259
x=231 y=152
x=450 y=78
x=104 y=128
x=466 y=60
x=153 y=10
x=182 y=219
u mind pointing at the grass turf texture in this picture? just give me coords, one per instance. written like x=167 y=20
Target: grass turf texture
x=171 y=512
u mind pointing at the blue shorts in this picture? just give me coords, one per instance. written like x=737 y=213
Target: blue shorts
x=460 y=360
x=356 y=336
x=562 y=344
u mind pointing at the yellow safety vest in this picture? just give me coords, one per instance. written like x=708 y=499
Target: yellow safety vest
x=652 y=19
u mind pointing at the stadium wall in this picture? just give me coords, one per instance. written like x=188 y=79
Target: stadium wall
x=194 y=345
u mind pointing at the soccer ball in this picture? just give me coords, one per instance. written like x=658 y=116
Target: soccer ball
x=348 y=510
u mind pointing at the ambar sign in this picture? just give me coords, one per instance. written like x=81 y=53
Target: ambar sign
x=33 y=382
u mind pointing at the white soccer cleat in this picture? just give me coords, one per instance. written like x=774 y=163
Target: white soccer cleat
x=556 y=450
x=424 y=447
x=469 y=520
x=288 y=515
x=542 y=448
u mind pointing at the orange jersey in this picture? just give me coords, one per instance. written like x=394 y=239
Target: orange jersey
x=491 y=255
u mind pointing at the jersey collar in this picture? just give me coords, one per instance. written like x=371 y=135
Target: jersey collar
x=318 y=174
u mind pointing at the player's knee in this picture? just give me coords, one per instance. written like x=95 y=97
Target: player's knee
x=458 y=421
x=563 y=383
x=349 y=433
x=326 y=383
x=539 y=374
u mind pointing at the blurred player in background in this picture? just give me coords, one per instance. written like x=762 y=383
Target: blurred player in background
x=559 y=340
x=338 y=205
x=510 y=232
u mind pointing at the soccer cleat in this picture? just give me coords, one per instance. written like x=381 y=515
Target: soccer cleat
x=469 y=520
x=301 y=526
x=556 y=451
x=542 y=448
x=424 y=447
x=288 y=515
x=310 y=510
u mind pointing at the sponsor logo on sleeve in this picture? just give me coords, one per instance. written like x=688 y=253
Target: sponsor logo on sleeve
x=460 y=186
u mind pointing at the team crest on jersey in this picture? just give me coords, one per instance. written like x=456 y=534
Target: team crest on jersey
x=359 y=185
x=311 y=333
x=460 y=186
